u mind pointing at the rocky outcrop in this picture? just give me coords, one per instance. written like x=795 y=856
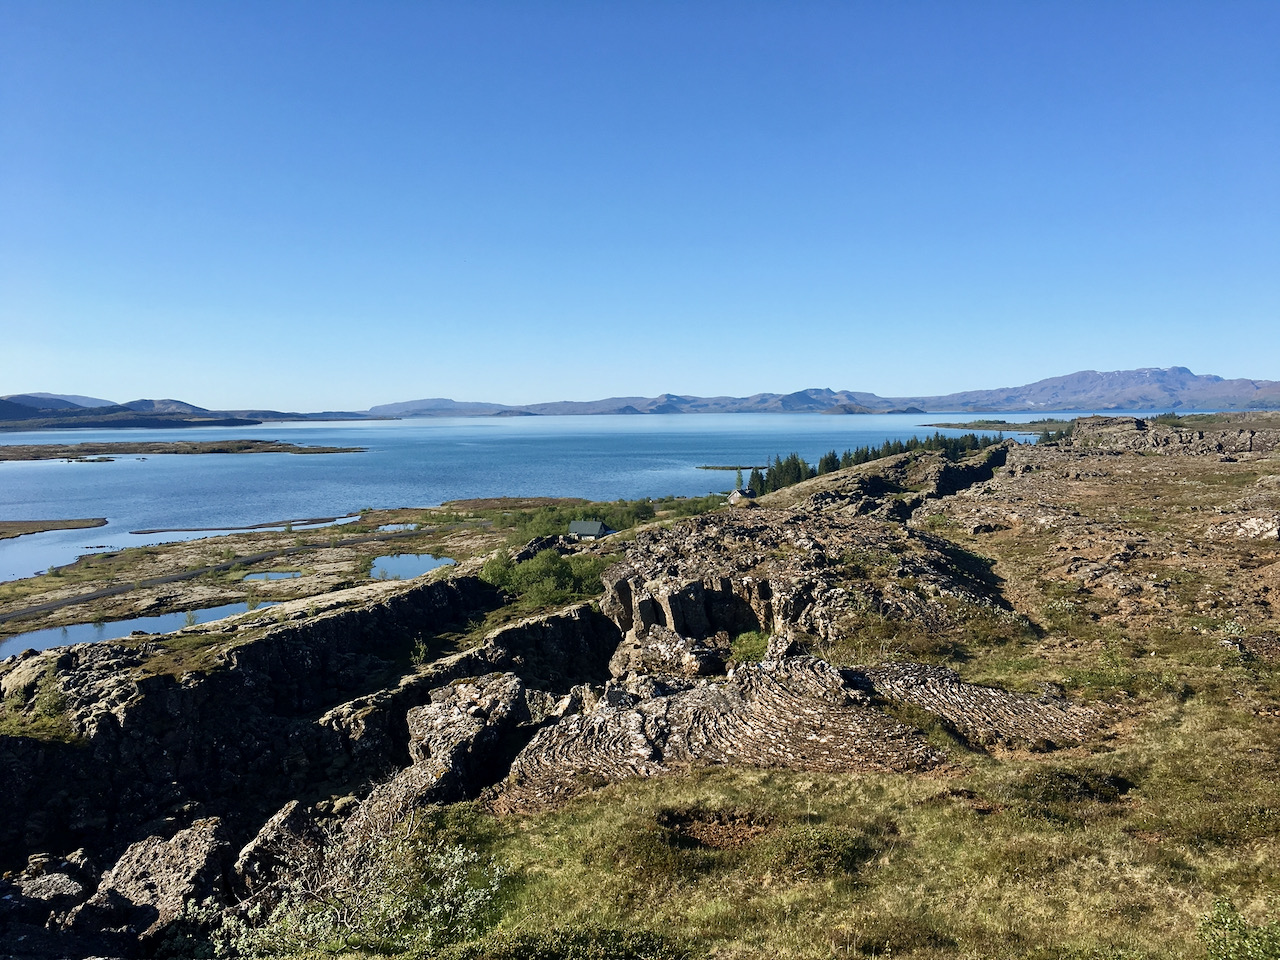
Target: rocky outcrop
x=800 y=713
x=682 y=592
x=465 y=739
x=1260 y=527
x=155 y=751
x=552 y=652
x=984 y=715
x=1137 y=435
x=148 y=886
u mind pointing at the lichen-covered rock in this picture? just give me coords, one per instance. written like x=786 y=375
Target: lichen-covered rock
x=277 y=844
x=149 y=884
x=464 y=740
x=663 y=650
x=984 y=715
x=800 y=714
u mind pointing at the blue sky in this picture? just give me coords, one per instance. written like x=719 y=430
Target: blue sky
x=331 y=205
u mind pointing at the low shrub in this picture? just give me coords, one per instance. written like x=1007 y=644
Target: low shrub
x=1227 y=935
x=750 y=647
x=806 y=851
x=573 y=943
x=546 y=578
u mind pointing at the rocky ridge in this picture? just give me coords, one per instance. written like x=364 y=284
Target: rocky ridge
x=319 y=719
x=1255 y=435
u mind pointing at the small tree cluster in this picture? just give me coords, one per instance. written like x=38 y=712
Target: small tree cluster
x=547 y=578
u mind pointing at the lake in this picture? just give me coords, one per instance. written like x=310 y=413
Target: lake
x=408 y=463
x=115 y=629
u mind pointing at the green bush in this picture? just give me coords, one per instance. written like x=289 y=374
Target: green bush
x=49 y=702
x=547 y=578
x=1228 y=936
x=750 y=647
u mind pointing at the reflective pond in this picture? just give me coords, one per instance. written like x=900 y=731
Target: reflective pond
x=405 y=566
x=115 y=629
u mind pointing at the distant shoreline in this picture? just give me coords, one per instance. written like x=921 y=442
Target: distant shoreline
x=18 y=528
x=100 y=452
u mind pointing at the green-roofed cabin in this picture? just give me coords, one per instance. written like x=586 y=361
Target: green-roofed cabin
x=587 y=529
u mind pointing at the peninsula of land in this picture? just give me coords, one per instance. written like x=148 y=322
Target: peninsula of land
x=18 y=528
x=100 y=451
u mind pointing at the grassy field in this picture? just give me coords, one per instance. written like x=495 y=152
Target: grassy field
x=1133 y=583
x=1160 y=838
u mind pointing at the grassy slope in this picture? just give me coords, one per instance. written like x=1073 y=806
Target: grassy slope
x=1111 y=850
x=1116 y=849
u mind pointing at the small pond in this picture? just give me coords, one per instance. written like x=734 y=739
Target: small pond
x=405 y=566
x=273 y=575
x=115 y=629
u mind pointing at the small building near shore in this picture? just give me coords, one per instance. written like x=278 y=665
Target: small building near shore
x=588 y=529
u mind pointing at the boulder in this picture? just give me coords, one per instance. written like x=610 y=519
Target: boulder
x=288 y=833
x=149 y=884
x=464 y=740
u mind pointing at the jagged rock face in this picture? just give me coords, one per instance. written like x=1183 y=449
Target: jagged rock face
x=262 y=858
x=662 y=650
x=158 y=751
x=800 y=713
x=148 y=886
x=464 y=740
x=777 y=570
x=1146 y=436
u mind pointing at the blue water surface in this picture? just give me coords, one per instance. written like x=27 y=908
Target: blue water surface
x=407 y=463
x=115 y=629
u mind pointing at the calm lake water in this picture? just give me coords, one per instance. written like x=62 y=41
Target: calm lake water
x=408 y=463
x=115 y=629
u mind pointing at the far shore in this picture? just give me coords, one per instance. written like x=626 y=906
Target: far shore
x=1034 y=426
x=18 y=528
x=99 y=451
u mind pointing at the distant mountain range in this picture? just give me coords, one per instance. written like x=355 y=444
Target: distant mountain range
x=1147 y=389
x=1173 y=388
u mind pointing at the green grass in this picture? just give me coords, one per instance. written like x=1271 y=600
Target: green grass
x=1116 y=851
x=41 y=713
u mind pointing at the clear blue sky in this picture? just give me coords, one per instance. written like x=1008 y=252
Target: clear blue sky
x=330 y=205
